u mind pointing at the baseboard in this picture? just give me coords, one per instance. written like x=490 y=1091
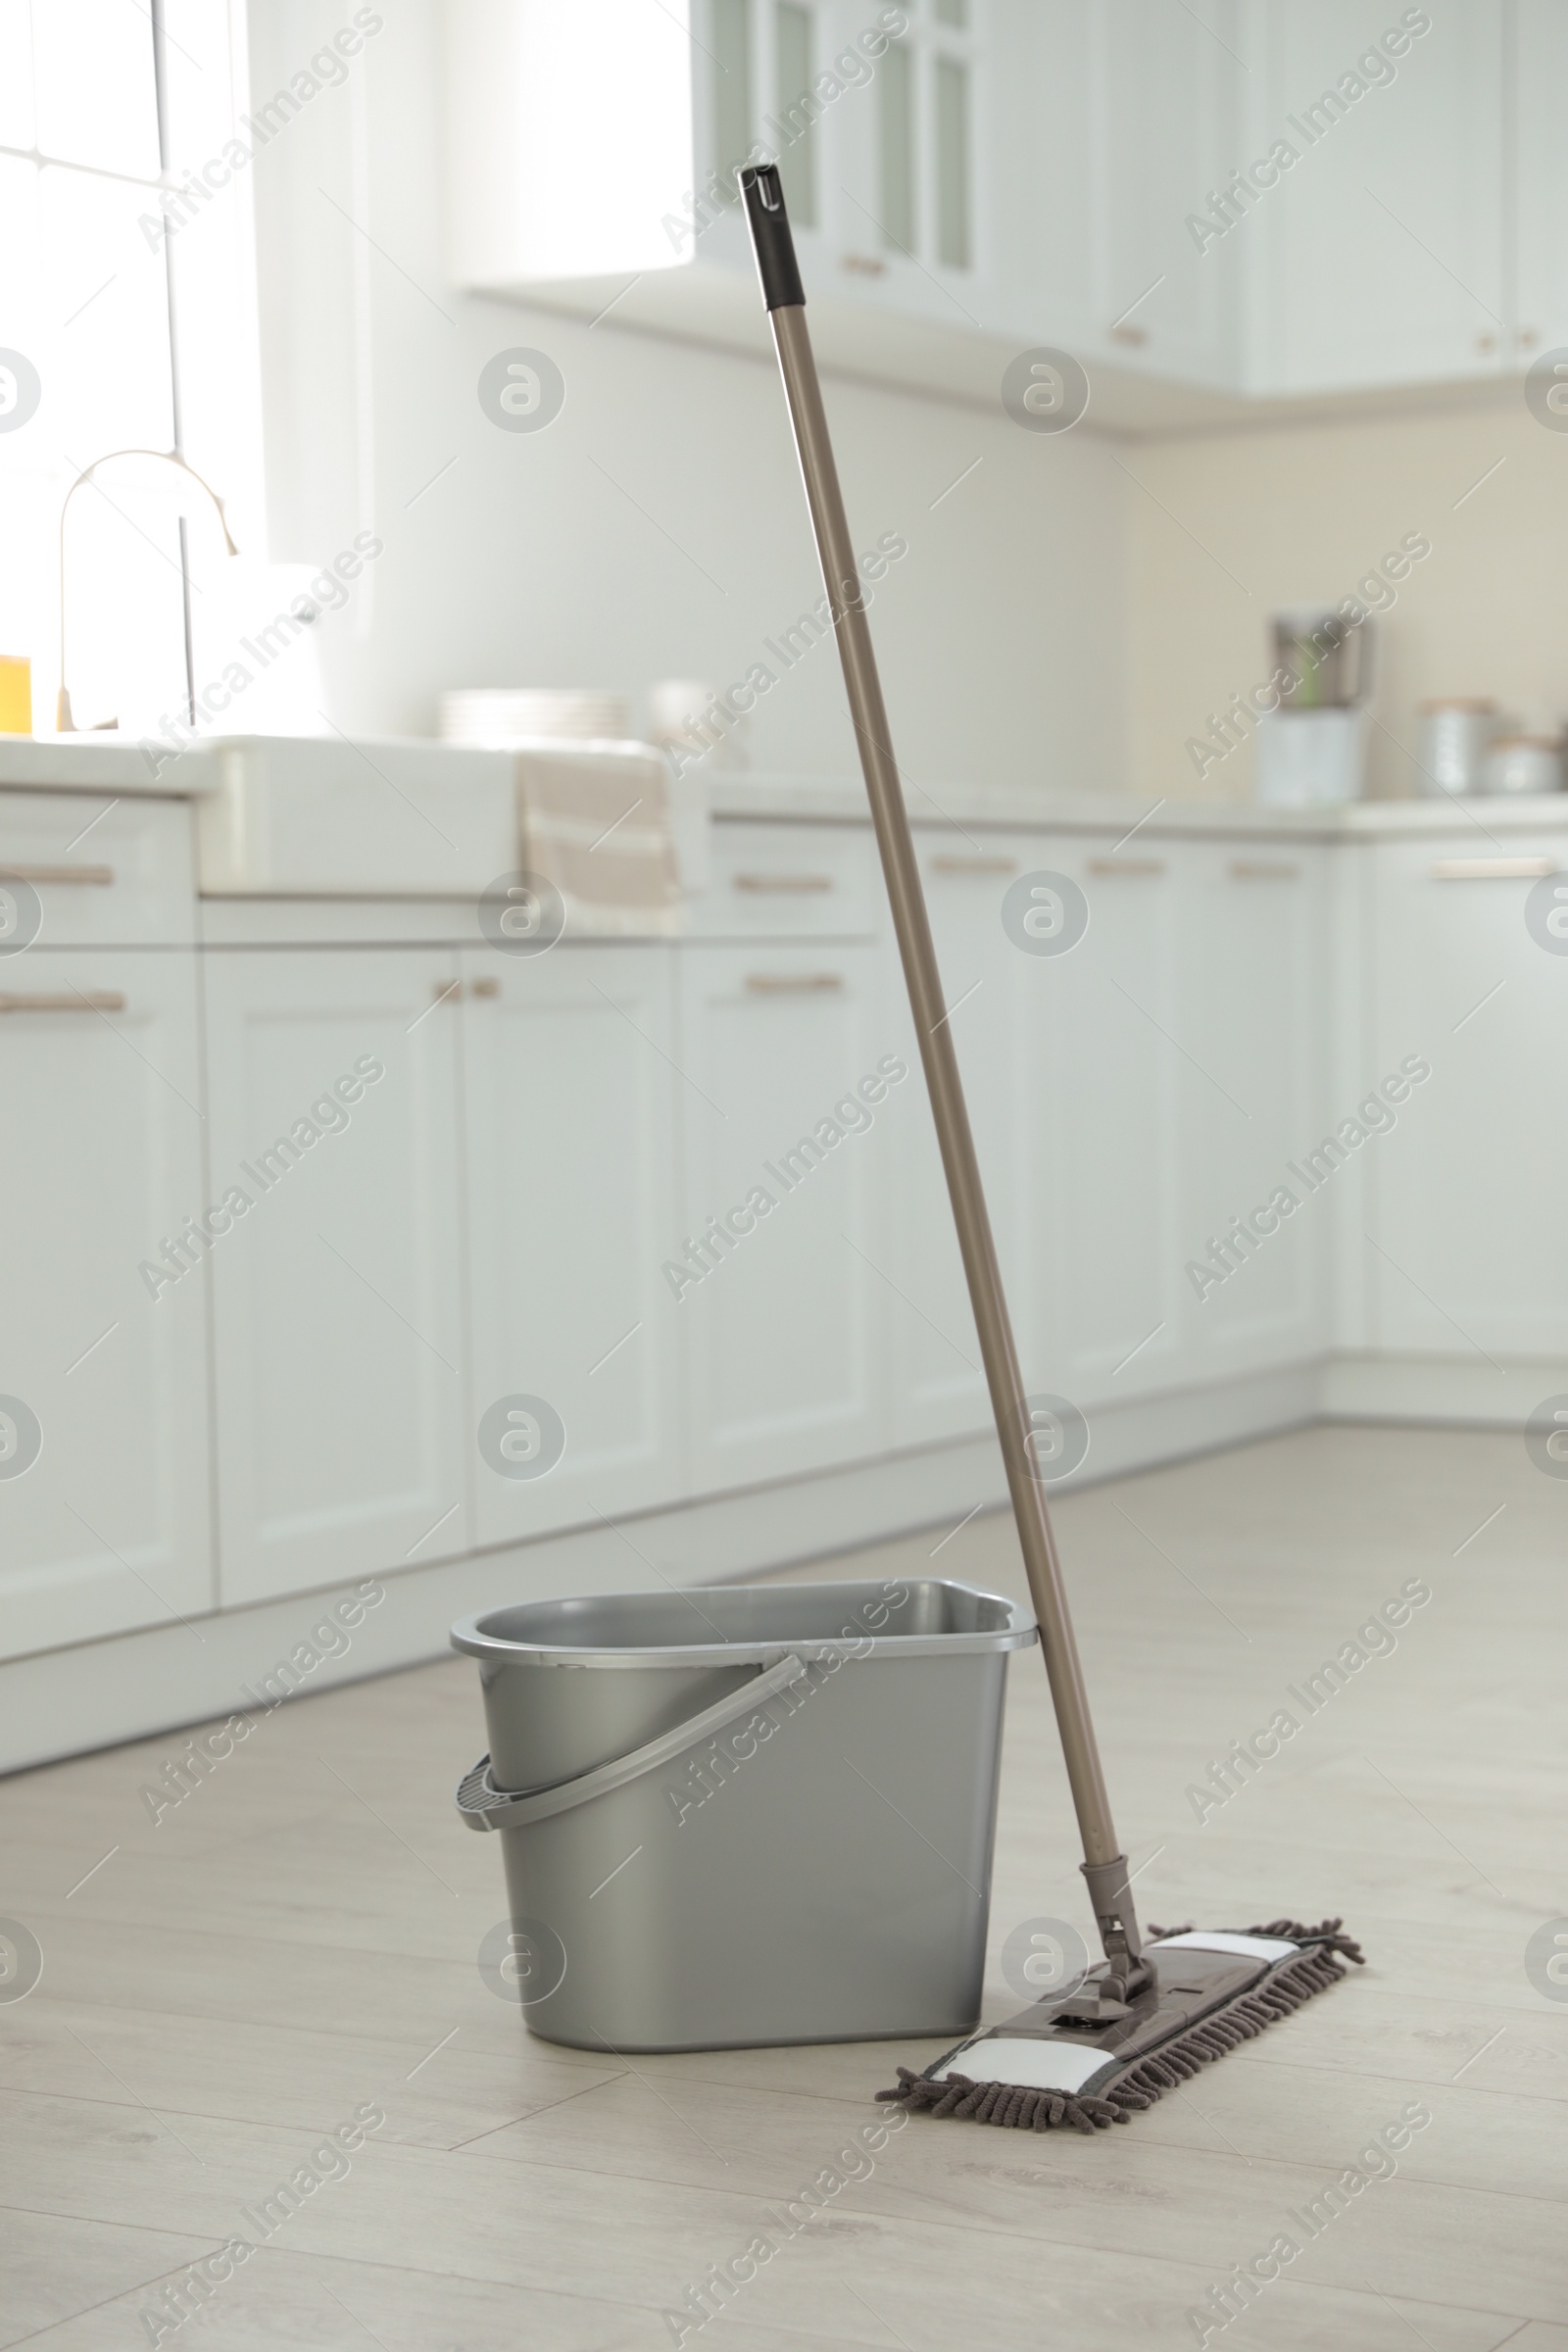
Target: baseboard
x=1472 y=1390
x=161 y=1677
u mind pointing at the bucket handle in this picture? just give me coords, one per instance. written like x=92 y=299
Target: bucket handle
x=484 y=1806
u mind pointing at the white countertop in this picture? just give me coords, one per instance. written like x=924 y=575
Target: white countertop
x=823 y=800
x=96 y=764
x=107 y=762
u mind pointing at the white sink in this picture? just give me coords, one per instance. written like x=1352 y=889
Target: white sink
x=313 y=817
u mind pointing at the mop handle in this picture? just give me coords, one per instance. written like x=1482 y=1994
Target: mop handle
x=1105 y=1865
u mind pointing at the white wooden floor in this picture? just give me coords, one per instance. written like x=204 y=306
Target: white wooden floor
x=298 y=1940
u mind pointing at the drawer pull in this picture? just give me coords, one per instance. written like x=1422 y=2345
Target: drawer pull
x=974 y=865
x=76 y=1000
x=1126 y=866
x=1260 y=869
x=442 y=990
x=484 y=988
x=792 y=984
x=777 y=885
x=1492 y=870
x=98 y=877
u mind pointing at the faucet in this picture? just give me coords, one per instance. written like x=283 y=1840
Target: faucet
x=65 y=724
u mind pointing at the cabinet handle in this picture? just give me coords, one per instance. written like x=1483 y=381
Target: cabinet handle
x=1260 y=869
x=792 y=984
x=1126 y=866
x=1492 y=870
x=440 y=990
x=1126 y=331
x=74 y=1000
x=864 y=264
x=974 y=865
x=777 y=884
x=1486 y=341
x=100 y=876
x=484 y=988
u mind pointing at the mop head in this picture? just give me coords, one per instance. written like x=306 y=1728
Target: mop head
x=1093 y=2060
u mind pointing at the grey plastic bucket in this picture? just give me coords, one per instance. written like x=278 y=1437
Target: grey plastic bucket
x=758 y=1814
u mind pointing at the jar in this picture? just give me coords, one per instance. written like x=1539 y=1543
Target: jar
x=1455 y=735
x=1523 y=763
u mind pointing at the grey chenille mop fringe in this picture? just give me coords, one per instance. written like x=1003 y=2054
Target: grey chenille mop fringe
x=1016 y=2108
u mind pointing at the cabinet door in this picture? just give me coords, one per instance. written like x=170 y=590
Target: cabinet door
x=1467 y=1252
x=106 y=1525
x=1163 y=104
x=888 y=151
x=1101 y=1076
x=939 y=1388
x=1538 y=183
x=1380 y=258
x=574 y=1206
x=339 y=1327
x=785 y=1324
x=753 y=67
x=1253 y=1015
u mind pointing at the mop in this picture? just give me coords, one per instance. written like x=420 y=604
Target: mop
x=1153 y=2012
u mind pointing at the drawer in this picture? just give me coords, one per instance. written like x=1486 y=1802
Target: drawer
x=90 y=872
x=785 y=881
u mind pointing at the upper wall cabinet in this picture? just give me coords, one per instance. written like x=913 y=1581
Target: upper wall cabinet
x=1379 y=251
x=872 y=116
x=1205 y=204
x=569 y=136
x=1162 y=91
x=1536 y=62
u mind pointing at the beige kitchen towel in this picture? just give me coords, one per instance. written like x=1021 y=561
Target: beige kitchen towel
x=595 y=821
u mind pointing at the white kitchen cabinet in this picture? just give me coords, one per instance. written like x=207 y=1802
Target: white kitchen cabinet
x=1537 y=36
x=570 y=1083
x=886 y=148
x=1103 y=1077
x=1163 y=94
x=1013 y=174
x=784 y=1329
x=344 y=1415
x=1253 y=1020
x=1378 y=256
x=939 y=1388
x=1127 y=1098
x=100 y=1165
x=1467 y=1250
x=104 y=872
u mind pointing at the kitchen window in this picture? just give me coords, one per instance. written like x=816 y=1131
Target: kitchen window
x=121 y=331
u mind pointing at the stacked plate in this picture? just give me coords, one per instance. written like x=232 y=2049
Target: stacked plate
x=499 y=715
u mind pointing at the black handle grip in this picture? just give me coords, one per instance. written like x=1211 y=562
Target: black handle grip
x=762 y=194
